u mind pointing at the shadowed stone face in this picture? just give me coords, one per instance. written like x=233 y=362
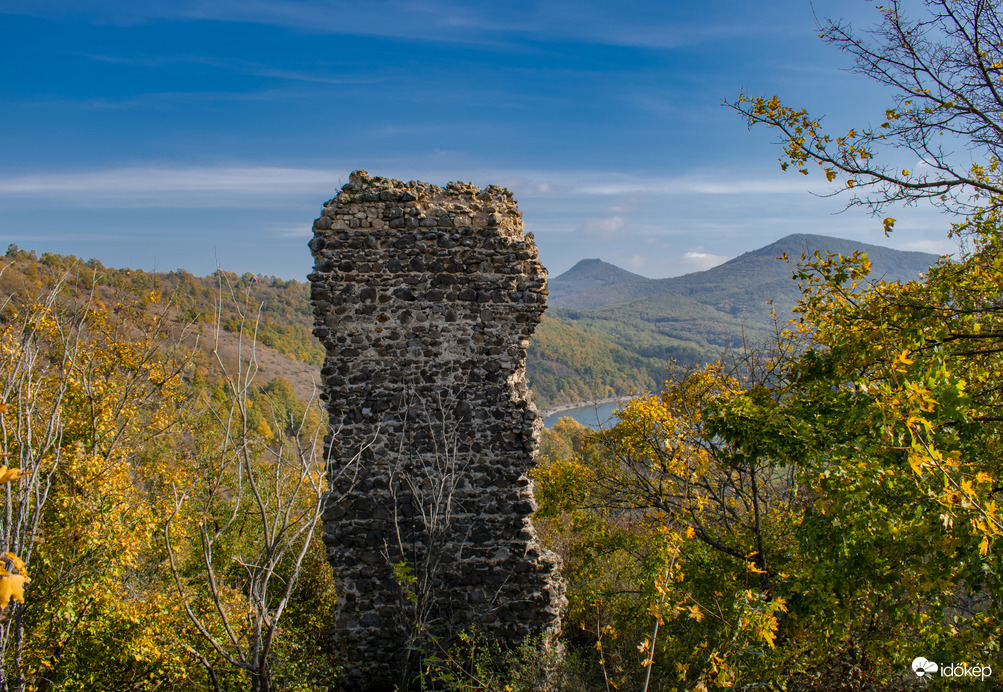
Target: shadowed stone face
x=425 y=299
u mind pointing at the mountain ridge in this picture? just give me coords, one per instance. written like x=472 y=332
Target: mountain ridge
x=578 y=288
x=635 y=327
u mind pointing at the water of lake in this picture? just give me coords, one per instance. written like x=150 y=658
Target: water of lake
x=588 y=416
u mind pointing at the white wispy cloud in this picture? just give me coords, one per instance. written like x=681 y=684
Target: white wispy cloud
x=557 y=183
x=258 y=179
x=166 y=100
x=607 y=226
x=233 y=65
x=936 y=246
x=698 y=259
x=685 y=185
x=651 y=26
x=194 y=186
x=298 y=231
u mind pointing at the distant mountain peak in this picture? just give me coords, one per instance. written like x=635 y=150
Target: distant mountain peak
x=596 y=270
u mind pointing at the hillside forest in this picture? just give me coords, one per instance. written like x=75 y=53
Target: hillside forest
x=816 y=510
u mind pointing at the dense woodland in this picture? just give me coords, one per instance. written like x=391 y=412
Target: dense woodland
x=819 y=512
x=822 y=510
x=161 y=502
x=567 y=363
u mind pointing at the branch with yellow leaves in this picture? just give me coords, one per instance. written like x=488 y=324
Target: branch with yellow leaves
x=945 y=72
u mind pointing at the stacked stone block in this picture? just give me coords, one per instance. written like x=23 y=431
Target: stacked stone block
x=425 y=299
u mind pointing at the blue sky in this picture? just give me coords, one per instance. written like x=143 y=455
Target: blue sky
x=164 y=134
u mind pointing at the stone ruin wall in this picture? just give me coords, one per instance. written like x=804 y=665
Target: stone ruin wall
x=425 y=299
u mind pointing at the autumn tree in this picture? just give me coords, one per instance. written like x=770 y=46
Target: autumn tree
x=89 y=393
x=105 y=413
x=904 y=472
x=858 y=485
x=675 y=538
x=825 y=523
x=944 y=69
x=943 y=66
x=241 y=535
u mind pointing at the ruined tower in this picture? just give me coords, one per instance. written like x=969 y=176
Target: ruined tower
x=425 y=299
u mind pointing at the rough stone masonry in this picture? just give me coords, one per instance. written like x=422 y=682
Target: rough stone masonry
x=425 y=299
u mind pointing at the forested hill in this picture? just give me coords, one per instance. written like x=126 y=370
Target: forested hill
x=275 y=312
x=644 y=323
x=608 y=332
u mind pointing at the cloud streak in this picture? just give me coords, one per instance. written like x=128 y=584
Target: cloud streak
x=195 y=186
x=685 y=185
x=255 y=179
x=698 y=259
x=244 y=67
x=612 y=225
x=255 y=184
x=426 y=20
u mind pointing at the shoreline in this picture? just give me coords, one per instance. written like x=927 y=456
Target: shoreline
x=582 y=404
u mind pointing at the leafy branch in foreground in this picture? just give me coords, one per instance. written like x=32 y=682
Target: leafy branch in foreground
x=827 y=522
x=945 y=73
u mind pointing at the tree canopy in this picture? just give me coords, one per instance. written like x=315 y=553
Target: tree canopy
x=819 y=515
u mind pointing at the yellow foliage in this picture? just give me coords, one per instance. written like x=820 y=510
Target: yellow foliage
x=13 y=577
x=7 y=475
x=11 y=587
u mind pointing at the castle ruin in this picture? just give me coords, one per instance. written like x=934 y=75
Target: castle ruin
x=425 y=299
